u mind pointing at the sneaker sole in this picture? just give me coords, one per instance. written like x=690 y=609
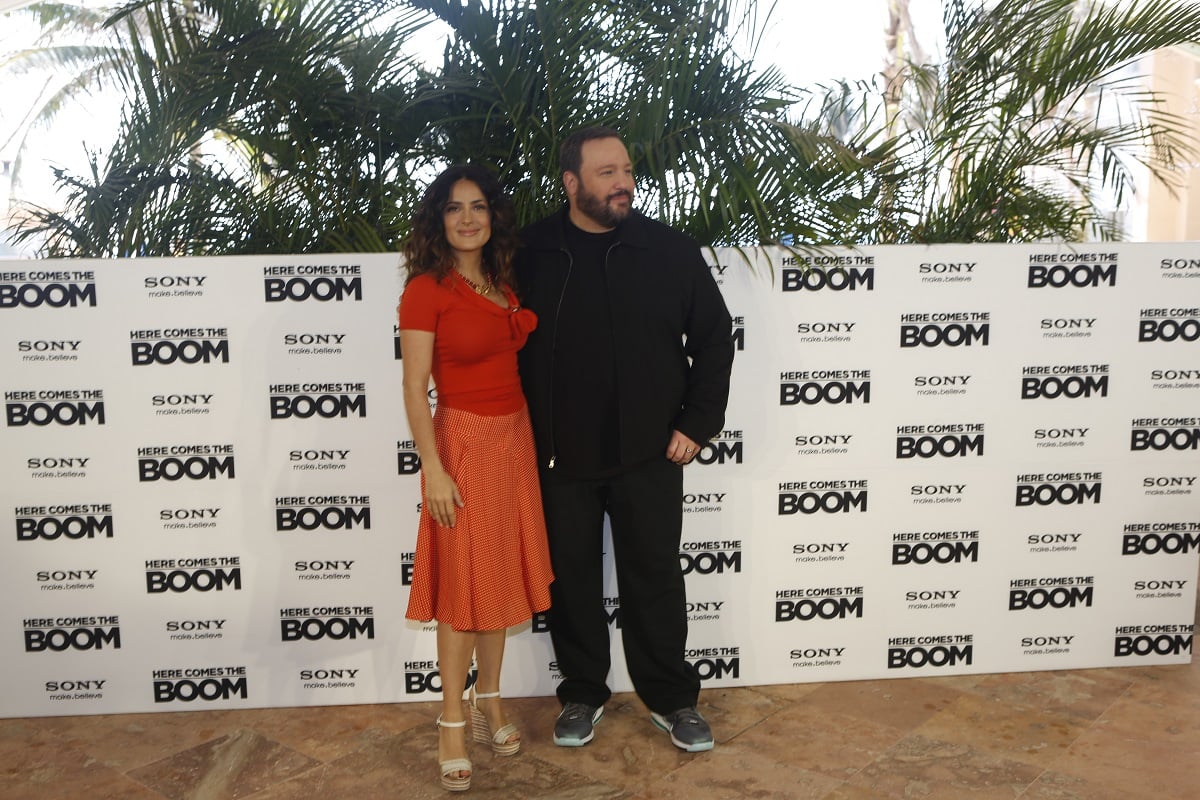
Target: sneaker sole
x=565 y=742
x=698 y=747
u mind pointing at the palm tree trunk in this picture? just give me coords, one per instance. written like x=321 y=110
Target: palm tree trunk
x=902 y=49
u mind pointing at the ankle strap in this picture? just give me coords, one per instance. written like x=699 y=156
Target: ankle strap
x=486 y=695
x=442 y=724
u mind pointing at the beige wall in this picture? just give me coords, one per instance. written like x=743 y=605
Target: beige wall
x=1175 y=216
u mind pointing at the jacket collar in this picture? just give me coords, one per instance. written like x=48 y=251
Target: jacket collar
x=632 y=231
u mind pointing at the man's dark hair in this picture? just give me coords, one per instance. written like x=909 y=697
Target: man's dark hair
x=570 y=153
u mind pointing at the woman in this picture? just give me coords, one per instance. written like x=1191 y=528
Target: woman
x=482 y=562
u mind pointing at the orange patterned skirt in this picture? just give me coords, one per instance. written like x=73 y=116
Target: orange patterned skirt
x=492 y=569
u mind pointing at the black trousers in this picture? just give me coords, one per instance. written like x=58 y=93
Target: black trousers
x=644 y=506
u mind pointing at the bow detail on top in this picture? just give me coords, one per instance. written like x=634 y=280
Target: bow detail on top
x=521 y=322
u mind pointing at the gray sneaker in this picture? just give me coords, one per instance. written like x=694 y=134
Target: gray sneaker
x=574 y=726
x=688 y=729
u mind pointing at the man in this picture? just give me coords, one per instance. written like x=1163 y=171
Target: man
x=626 y=376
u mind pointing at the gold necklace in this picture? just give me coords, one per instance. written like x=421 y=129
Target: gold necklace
x=484 y=290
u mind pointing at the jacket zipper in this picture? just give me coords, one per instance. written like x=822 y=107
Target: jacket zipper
x=554 y=351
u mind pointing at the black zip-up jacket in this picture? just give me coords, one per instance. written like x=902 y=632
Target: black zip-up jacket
x=672 y=334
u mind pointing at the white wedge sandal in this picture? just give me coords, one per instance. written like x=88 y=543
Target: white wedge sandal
x=452 y=765
x=482 y=731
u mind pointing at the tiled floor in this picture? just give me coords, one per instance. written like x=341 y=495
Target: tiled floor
x=1103 y=734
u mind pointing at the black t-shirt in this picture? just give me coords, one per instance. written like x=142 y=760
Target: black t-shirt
x=586 y=435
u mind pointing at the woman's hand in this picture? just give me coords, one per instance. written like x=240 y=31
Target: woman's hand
x=441 y=492
x=441 y=497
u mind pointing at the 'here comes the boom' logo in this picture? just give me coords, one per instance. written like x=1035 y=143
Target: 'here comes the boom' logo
x=1166 y=433
x=828 y=273
x=830 y=497
x=324 y=400
x=1169 y=325
x=825 y=602
x=935 y=547
x=72 y=633
x=195 y=462
x=213 y=574
x=42 y=407
x=715 y=663
x=327 y=512
x=1153 y=538
x=64 y=521
x=63 y=289
x=1064 y=381
x=1039 y=593
x=833 y=387
x=320 y=282
x=332 y=622
x=179 y=346
x=944 y=441
x=952 y=329
x=199 y=683
x=1072 y=270
x=922 y=652
x=1058 y=488
x=1153 y=640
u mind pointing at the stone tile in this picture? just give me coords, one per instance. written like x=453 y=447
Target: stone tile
x=1134 y=761
x=324 y=781
x=819 y=740
x=1081 y=693
x=1020 y=733
x=527 y=776
x=128 y=741
x=732 y=711
x=233 y=766
x=30 y=732
x=920 y=768
x=848 y=792
x=962 y=683
x=1136 y=734
x=733 y=772
x=1155 y=713
x=901 y=704
x=406 y=765
x=326 y=733
x=405 y=762
x=40 y=769
x=1052 y=785
x=1181 y=677
x=520 y=777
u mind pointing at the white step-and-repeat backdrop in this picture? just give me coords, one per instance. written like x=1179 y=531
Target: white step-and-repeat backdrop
x=936 y=461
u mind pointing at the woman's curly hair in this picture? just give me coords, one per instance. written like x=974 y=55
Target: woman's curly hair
x=426 y=249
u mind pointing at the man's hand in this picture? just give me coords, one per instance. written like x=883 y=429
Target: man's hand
x=681 y=449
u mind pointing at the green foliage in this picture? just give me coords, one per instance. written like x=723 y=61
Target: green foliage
x=303 y=126
x=1031 y=120
x=312 y=101
x=710 y=136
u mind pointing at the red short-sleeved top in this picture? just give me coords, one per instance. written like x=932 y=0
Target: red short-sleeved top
x=475 y=342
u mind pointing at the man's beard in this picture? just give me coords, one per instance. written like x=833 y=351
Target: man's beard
x=599 y=211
